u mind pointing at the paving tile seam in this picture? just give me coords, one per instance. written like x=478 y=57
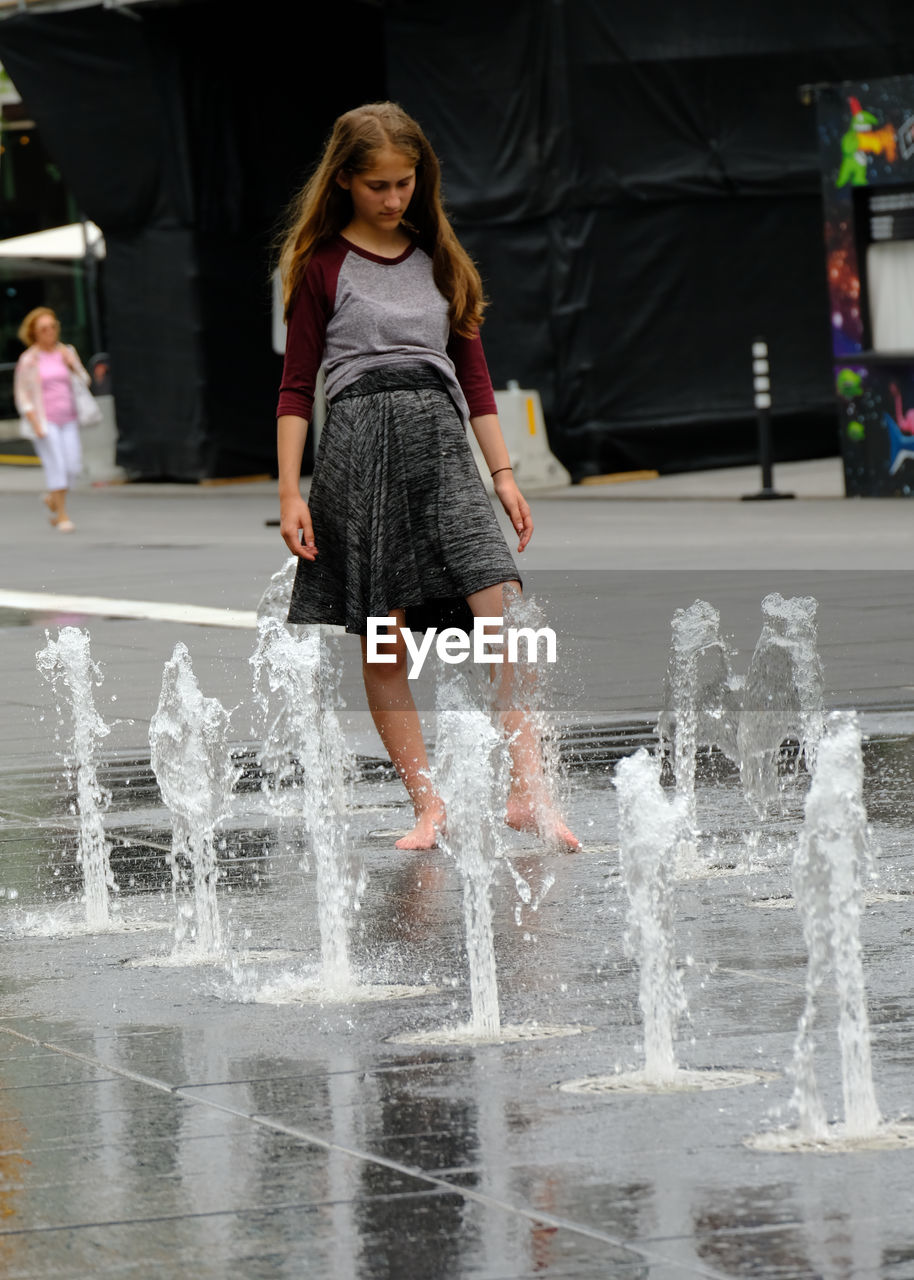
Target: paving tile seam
x=57 y=1084
x=29 y=820
x=367 y=1157
x=754 y=976
x=118 y=832
x=105 y=1223
x=244 y=1211
x=79 y=1143
x=751 y=1229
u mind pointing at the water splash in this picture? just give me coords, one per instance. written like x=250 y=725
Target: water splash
x=519 y=699
x=190 y=756
x=649 y=829
x=471 y=773
x=527 y=895
x=782 y=697
x=829 y=894
x=700 y=705
x=67 y=659
x=274 y=603
x=307 y=765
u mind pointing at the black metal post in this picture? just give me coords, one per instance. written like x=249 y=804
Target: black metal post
x=762 y=387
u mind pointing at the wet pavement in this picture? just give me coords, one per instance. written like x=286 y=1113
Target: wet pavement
x=163 y=1118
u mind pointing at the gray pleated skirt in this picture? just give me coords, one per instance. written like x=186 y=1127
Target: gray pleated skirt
x=401 y=518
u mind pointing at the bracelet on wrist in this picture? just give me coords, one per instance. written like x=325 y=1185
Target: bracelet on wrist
x=497 y=469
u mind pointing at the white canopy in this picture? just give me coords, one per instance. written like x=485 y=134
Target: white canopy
x=57 y=242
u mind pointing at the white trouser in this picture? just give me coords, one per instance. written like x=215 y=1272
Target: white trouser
x=61 y=454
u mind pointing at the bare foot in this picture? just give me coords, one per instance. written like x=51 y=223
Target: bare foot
x=49 y=503
x=521 y=815
x=424 y=834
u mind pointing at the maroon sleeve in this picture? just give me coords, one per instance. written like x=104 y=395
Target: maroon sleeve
x=472 y=373
x=307 y=327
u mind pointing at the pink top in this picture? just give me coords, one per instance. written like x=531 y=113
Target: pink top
x=56 y=392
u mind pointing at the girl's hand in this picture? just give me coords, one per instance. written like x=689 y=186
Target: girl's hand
x=515 y=505
x=295 y=527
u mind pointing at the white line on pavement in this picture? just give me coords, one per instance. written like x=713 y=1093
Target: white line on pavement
x=105 y=607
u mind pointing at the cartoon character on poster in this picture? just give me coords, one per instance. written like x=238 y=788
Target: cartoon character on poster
x=864 y=402
x=863 y=139
x=901 y=432
x=849 y=385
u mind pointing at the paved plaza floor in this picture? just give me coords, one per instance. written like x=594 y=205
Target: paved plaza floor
x=163 y=1117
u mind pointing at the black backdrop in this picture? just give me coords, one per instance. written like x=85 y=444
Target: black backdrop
x=183 y=134
x=639 y=185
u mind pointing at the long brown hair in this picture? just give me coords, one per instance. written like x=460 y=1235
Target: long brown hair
x=323 y=208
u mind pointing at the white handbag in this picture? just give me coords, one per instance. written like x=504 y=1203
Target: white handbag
x=87 y=411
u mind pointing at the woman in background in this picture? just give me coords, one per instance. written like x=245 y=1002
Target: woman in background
x=43 y=390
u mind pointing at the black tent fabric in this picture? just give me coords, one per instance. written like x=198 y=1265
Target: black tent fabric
x=639 y=186
x=184 y=135
x=104 y=97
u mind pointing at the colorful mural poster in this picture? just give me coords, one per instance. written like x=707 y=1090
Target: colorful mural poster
x=866 y=147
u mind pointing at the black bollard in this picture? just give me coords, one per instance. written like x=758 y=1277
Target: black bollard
x=761 y=382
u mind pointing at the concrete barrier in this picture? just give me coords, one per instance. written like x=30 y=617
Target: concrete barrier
x=99 y=444
x=520 y=413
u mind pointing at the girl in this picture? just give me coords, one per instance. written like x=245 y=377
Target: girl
x=378 y=290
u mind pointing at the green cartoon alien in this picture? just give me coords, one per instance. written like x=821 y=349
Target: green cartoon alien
x=848 y=383
x=862 y=139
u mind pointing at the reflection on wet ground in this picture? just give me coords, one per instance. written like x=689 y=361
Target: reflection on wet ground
x=158 y=1121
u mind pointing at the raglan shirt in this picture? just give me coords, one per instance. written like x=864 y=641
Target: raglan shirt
x=356 y=311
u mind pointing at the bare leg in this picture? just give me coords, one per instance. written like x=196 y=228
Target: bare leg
x=531 y=806
x=393 y=711
x=63 y=521
x=54 y=500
